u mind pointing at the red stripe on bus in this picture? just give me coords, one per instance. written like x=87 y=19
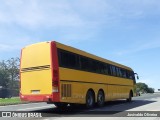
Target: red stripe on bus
x=55 y=67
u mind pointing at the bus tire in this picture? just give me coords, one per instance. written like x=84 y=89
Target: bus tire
x=100 y=98
x=90 y=100
x=130 y=97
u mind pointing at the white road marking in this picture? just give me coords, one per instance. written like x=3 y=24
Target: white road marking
x=37 y=107
x=2 y=106
x=8 y=105
x=19 y=104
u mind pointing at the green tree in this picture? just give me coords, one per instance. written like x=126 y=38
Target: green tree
x=150 y=90
x=142 y=87
x=9 y=73
x=4 y=74
x=13 y=69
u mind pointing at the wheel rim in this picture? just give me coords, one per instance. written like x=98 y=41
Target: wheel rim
x=90 y=100
x=100 y=98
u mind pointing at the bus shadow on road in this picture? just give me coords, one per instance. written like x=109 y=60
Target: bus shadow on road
x=110 y=108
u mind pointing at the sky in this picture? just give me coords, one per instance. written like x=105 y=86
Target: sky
x=124 y=31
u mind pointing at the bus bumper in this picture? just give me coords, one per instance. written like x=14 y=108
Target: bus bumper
x=36 y=98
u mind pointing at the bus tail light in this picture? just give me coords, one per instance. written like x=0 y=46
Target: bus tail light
x=55 y=83
x=55 y=89
x=55 y=86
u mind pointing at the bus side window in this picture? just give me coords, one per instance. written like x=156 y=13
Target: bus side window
x=109 y=69
x=120 y=72
x=129 y=75
x=72 y=61
x=106 y=70
x=100 y=68
x=97 y=67
x=117 y=71
x=84 y=63
x=123 y=73
x=67 y=59
x=93 y=66
x=113 y=70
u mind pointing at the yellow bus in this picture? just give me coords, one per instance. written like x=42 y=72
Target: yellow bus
x=56 y=73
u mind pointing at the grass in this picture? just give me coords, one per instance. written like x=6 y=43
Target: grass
x=11 y=101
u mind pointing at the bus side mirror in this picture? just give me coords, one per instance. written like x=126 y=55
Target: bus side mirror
x=137 y=75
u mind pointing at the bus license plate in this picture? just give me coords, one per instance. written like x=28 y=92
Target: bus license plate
x=35 y=91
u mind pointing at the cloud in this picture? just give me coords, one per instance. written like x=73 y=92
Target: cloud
x=4 y=47
x=82 y=14
x=36 y=14
x=71 y=21
x=140 y=47
x=151 y=82
x=78 y=20
x=147 y=81
x=19 y=43
x=136 y=8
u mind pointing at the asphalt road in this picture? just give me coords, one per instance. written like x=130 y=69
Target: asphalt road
x=146 y=102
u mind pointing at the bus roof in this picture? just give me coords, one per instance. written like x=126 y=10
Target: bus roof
x=83 y=53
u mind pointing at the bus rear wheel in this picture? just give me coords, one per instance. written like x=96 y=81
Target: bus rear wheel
x=130 y=97
x=100 y=98
x=90 y=101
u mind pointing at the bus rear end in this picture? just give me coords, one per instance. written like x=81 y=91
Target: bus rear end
x=39 y=79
